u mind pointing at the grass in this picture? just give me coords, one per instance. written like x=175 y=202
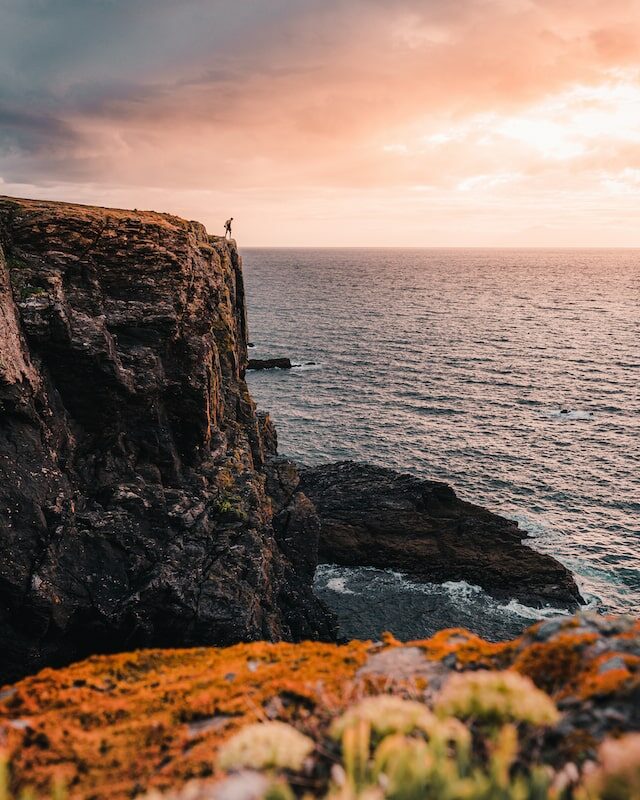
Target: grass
x=230 y=505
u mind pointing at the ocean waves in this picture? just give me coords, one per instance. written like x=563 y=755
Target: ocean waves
x=458 y=366
x=370 y=601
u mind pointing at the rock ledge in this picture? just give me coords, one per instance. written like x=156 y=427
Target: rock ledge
x=372 y=516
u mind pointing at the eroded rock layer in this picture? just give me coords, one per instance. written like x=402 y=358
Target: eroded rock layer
x=133 y=509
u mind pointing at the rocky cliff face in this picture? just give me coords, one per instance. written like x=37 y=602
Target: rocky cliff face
x=133 y=508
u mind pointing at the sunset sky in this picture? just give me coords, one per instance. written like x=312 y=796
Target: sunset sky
x=333 y=122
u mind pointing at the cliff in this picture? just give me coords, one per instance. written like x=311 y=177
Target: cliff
x=115 y=726
x=141 y=500
x=133 y=507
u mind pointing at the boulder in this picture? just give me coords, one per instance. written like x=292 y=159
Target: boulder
x=269 y=363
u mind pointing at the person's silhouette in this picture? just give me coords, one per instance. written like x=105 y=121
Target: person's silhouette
x=227 y=227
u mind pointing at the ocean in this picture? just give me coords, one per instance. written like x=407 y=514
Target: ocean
x=456 y=365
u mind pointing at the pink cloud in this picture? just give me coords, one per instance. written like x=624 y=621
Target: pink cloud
x=347 y=103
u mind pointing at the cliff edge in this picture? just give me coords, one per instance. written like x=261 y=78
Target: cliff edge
x=133 y=507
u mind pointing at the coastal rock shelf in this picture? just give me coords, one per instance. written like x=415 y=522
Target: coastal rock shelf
x=371 y=516
x=269 y=363
x=115 y=726
x=132 y=503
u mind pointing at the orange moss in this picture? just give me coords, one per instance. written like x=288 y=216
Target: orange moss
x=555 y=665
x=620 y=680
x=467 y=648
x=632 y=633
x=115 y=726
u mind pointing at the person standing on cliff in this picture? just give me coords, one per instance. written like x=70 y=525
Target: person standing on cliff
x=227 y=227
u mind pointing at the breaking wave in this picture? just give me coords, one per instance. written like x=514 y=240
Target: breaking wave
x=369 y=601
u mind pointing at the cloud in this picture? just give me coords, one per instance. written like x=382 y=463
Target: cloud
x=317 y=100
x=33 y=132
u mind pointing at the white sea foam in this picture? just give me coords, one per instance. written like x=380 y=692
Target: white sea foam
x=463 y=602
x=463 y=591
x=306 y=367
x=529 y=612
x=572 y=414
x=339 y=585
x=334 y=578
x=459 y=590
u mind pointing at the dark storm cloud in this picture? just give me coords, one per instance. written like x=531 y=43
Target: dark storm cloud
x=64 y=60
x=33 y=132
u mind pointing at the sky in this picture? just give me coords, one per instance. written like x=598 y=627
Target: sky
x=333 y=122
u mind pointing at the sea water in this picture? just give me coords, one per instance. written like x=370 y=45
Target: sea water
x=510 y=374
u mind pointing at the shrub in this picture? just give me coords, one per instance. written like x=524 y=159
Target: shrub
x=266 y=745
x=496 y=697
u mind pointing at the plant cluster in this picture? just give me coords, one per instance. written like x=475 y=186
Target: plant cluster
x=469 y=747
x=229 y=505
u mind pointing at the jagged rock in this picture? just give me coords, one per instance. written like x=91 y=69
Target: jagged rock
x=269 y=363
x=115 y=726
x=372 y=516
x=133 y=509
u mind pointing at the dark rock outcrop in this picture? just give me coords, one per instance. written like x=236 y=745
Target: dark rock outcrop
x=141 y=499
x=133 y=509
x=371 y=516
x=269 y=363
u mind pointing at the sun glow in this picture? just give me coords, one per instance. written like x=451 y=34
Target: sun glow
x=563 y=126
x=433 y=123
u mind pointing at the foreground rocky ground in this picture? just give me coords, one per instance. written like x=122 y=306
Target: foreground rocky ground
x=116 y=726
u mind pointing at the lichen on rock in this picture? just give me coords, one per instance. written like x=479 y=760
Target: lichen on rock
x=115 y=726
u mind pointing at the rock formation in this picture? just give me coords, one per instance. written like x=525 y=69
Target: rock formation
x=141 y=502
x=133 y=509
x=269 y=363
x=377 y=517
x=114 y=726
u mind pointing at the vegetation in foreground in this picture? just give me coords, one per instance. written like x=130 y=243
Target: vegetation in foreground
x=480 y=741
x=117 y=727
x=470 y=747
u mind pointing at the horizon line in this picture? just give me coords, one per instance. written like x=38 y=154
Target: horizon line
x=432 y=247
